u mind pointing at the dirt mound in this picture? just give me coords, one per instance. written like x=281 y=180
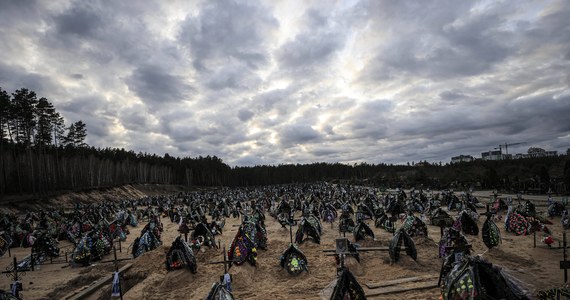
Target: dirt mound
x=20 y=204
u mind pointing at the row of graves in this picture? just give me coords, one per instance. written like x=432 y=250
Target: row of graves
x=463 y=275
x=89 y=232
x=196 y=232
x=95 y=231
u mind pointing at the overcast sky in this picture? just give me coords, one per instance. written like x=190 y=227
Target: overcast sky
x=281 y=81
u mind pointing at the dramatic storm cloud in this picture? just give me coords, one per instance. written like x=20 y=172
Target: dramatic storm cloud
x=271 y=82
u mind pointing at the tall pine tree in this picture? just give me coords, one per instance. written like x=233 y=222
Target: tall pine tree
x=23 y=119
x=80 y=134
x=58 y=126
x=4 y=113
x=45 y=114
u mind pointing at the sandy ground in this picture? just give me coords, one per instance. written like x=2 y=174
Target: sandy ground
x=537 y=267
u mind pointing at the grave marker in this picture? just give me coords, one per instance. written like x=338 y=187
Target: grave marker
x=564 y=264
x=116 y=290
x=16 y=286
x=225 y=279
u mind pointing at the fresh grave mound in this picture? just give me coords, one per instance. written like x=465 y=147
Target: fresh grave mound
x=180 y=256
x=146 y=271
x=219 y=292
x=474 y=278
x=347 y=287
x=361 y=231
x=73 y=284
x=151 y=261
x=86 y=277
x=309 y=226
x=293 y=260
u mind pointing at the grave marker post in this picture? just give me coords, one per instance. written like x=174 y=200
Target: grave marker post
x=564 y=264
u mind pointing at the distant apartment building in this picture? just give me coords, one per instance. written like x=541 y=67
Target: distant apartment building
x=537 y=154
x=495 y=155
x=461 y=158
x=533 y=152
x=549 y=154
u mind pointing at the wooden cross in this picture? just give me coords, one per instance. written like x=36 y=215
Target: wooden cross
x=393 y=220
x=564 y=264
x=15 y=278
x=329 y=252
x=116 y=263
x=291 y=220
x=343 y=232
x=488 y=213
x=341 y=250
x=359 y=215
x=226 y=263
x=13 y=272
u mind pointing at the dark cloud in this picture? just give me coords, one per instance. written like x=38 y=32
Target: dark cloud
x=226 y=28
x=233 y=77
x=136 y=118
x=451 y=95
x=297 y=134
x=323 y=152
x=81 y=20
x=544 y=115
x=15 y=77
x=280 y=101
x=208 y=132
x=551 y=28
x=457 y=40
x=109 y=35
x=245 y=115
x=155 y=85
x=474 y=130
x=96 y=127
x=328 y=129
x=181 y=133
x=315 y=45
x=370 y=120
x=85 y=105
x=308 y=49
x=26 y=12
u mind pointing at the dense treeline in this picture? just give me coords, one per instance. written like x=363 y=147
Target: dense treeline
x=30 y=128
x=40 y=155
x=532 y=175
x=73 y=168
